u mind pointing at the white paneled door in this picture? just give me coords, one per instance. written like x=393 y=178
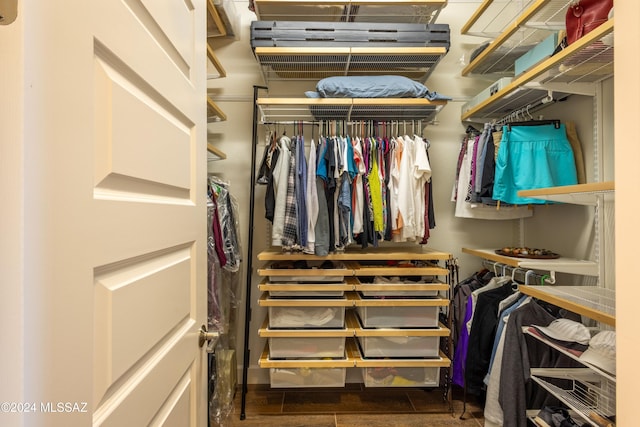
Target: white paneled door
x=114 y=202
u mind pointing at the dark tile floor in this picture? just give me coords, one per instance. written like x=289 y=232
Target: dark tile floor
x=353 y=406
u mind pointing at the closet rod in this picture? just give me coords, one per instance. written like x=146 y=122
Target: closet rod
x=526 y=111
x=294 y=122
x=525 y=273
x=247 y=299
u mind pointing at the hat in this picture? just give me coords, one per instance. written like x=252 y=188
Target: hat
x=566 y=330
x=602 y=351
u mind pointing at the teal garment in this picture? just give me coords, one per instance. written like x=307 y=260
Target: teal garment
x=532 y=157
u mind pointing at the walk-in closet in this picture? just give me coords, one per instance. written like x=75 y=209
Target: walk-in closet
x=543 y=233
x=319 y=213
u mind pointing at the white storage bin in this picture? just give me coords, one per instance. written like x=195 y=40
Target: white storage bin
x=307 y=377
x=292 y=317
x=395 y=293
x=306 y=347
x=298 y=293
x=393 y=346
x=401 y=376
x=398 y=316
x=389 y=283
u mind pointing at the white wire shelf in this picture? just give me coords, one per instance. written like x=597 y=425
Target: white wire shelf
x=316 y=63
x=559 y=265
x=591 y=301
x=494 y=16
x=594 y=368
x=404 y=11
x=407 y=109
x=588 y=60
x=592 y=401
x=515 y=28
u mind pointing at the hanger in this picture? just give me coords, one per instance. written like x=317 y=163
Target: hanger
x=555 y=123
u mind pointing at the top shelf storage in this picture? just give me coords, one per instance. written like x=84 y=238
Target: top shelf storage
x=413 y=11
x=587 y=60
x=515 y=27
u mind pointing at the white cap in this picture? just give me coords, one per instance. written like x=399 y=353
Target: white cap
x=602 y=351
x=566 y=330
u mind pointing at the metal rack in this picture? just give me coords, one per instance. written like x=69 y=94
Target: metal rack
x=278 y=109
x=591 y=396
x=414 y=11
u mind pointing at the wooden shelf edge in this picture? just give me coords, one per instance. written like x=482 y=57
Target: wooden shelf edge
x=213 y=111
x=581 y=309
x=216 y=151
x=370 y=254
x=567 y=193
x=214 y=60
x=215 y=16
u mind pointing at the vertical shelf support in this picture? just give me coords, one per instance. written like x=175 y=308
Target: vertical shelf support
x=247 y=299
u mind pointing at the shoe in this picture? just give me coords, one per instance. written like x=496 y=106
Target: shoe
x=554 y=416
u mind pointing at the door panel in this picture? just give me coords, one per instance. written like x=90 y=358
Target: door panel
x=116 y=268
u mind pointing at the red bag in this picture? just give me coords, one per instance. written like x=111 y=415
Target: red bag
x=585 y=15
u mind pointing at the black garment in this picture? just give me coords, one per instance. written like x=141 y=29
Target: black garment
x=488 y=169
x=388 y=232
x=461 y=293
x=270 y=195
x=483 y=332
x=330 y=190
x=522 y=352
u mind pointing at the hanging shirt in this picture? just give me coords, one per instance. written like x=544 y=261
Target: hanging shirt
x=406 y=191
x=311 y=200
x=301 y=189
x=358 y=191
x=290 y=228
x=422 y=174
x=280 y=173
x=375 y=187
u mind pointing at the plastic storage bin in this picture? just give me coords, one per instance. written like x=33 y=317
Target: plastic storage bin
x=398 y=316
x=292 y=317
x=307 y=377
x=401 y=376
x=306 y=347
x=399 y=346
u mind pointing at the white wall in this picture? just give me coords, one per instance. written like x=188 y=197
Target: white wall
x=12 y=281
x=552 y=227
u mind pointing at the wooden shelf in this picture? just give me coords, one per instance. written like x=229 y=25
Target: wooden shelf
x=581 y=194
x=216 y=152
x=267 y=332
x=266 y=362
x=354 y=325
x=215 y=62
x=591 y=301
x=215 y=25
x=405 y=11
x=559 y=265
x=588 y=60
x=214 y=113
x=397 y=253
x=347 y=301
